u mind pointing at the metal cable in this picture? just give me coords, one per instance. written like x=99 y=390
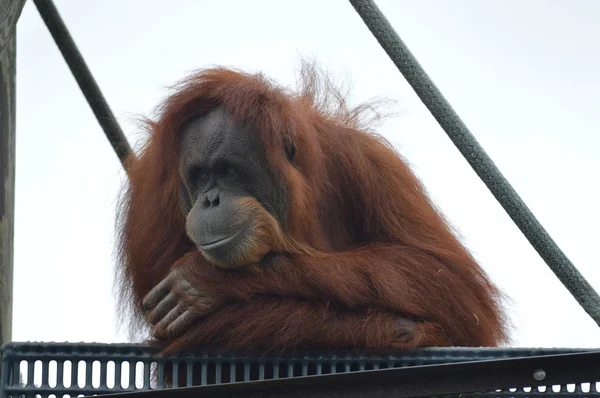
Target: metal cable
x=485 y=168
x=84 y=78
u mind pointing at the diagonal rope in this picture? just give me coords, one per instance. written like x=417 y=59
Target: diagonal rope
x=84 y=78
x=479 y=160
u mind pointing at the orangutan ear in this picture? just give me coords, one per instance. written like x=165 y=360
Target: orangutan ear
x=289 y=147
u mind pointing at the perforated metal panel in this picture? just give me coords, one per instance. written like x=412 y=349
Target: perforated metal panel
x=57 y=370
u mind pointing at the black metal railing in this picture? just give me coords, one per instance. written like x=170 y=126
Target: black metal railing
x=57 y=369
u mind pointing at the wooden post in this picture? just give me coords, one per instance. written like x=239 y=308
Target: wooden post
x=10 y=10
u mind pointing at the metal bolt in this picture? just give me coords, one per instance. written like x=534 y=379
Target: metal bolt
x=539 y=374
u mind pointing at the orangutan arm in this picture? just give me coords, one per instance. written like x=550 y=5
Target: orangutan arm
x=274 y=325
x=403 y=281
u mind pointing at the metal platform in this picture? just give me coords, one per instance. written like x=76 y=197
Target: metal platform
x=56 y=370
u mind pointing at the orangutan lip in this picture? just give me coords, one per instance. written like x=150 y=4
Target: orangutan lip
x=220 y=242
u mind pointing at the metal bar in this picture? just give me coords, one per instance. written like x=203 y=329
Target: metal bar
x=17 y=351
x=84 y=78
x=9 y=14
x=417 y=381
x=479 y=160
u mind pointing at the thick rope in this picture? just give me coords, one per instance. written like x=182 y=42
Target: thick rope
x=84 y=78
x=485 y=168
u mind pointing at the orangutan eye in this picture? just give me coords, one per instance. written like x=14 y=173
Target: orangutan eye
x=227 y=171
x=197 y=175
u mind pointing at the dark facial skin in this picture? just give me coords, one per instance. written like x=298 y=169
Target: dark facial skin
x=222 y=165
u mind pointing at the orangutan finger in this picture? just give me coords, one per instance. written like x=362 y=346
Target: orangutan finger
x=163 y=308
x=158 y=292
x=181 y=323
x=161 y=327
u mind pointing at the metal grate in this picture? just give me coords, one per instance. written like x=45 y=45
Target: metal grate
x=62 y=370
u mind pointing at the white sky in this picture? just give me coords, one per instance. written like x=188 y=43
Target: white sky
x=522 y=75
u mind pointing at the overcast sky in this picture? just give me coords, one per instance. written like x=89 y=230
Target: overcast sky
x=522 y=74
